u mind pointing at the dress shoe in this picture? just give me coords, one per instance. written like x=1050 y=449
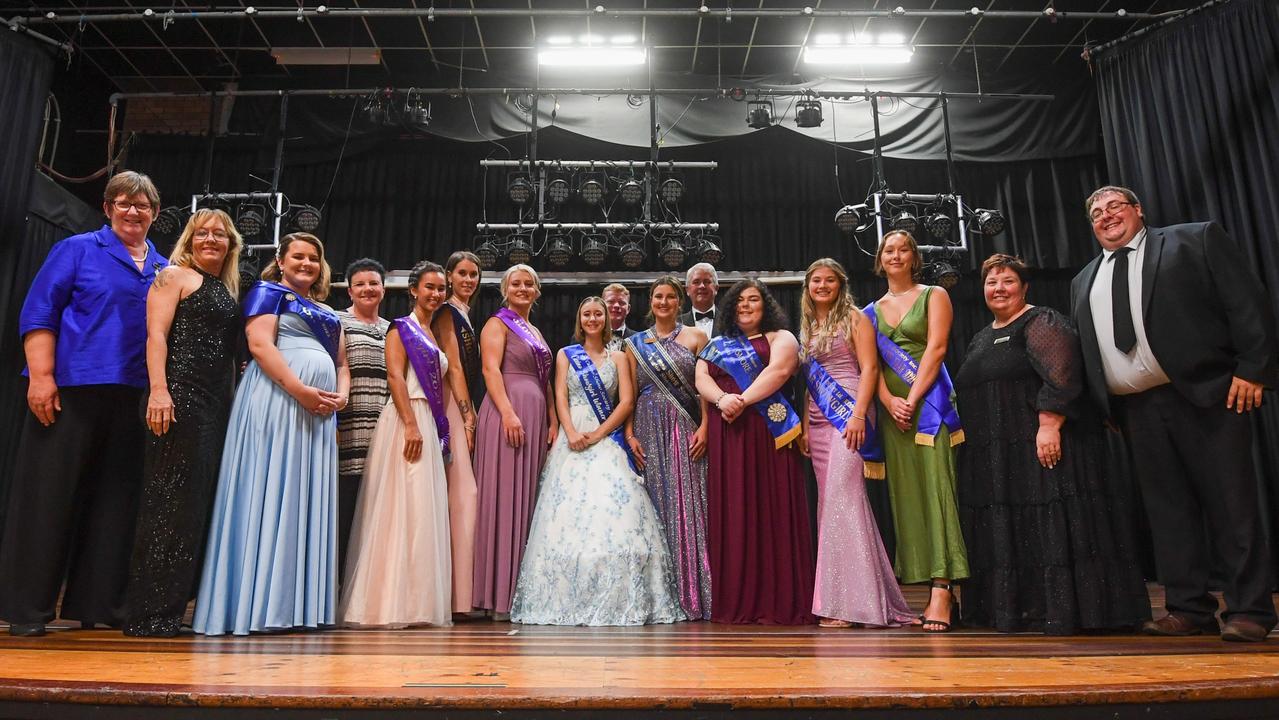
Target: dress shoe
x=1241 y=630
x=26 y=629
x=1175 y=625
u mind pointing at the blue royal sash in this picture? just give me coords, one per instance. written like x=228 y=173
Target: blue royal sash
x=468 y=343
x=937 y=409
x=651 y=357
x=734 y=355
x=524 y=331
x=838 y=406
x=268 y=298
x=597 y=395
x=424 y=356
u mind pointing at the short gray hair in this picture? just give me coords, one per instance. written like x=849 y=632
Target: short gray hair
x=1129 y=195
x=688 y=276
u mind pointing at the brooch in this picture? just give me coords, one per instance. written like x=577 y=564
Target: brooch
x=777 y=412
x=290 y=297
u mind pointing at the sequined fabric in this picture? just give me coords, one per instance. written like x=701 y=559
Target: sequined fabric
x=181 y=466
x=676 y=483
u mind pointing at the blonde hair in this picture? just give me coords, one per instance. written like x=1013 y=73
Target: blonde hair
x=671 y=282
x=183 y=256
x=506 y=279
x=578 y=333
x=841 y=319
x=320 y=289
x=916 y=261
x=616 y=288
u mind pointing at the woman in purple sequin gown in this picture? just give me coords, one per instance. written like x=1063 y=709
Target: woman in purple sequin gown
x=854 y=582
x=669 y=442
x=511 y=441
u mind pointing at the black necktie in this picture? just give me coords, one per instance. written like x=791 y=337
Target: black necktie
x=1125 y=333
x=708 y=315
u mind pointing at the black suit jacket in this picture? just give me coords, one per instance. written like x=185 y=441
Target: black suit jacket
x=687 y=319
x=1206 y=314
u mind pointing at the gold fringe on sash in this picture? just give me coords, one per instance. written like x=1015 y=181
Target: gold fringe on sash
x=956 y=438
x=873 y=470
x=787 y=437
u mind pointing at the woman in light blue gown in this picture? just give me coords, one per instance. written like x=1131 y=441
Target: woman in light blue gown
x=271 y=561
x=596 y=553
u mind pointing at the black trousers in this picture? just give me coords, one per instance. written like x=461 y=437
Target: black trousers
x=72 y=505
x=1194 y=467
x=348 y=494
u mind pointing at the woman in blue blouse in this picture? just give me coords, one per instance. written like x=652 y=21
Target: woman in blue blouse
x=75 y=483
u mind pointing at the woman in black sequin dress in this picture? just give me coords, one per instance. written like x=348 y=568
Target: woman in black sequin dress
x=1048 y=532
x=192 y=321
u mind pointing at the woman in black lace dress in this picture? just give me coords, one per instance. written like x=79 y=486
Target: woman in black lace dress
x=1049 y=538
x=192 y=321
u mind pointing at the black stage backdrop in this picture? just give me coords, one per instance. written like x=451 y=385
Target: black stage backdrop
x=1190 y=116
x=24 y=85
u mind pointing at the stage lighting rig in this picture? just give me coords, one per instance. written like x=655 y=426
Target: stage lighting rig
x=708 y=250
x=592 y=185
x=759 y=114
x=939 y=224
x=519 y=188
x=988 y=222
x=853 y=218
x=631 y=191
x=486 y=250
x=808 y=114
x=594 y=249
x=941 y=273
x=519 y=251
x=673 y=251
x=306 y=218
x=559 y=251
x=558 y=190
x=169 y=221
x=632 y=250
x=905 y=220
x=416 y=110
x=671 y=189
x=251 y=219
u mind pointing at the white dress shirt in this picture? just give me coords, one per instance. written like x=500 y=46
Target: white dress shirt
x=706 y=325
x=1138 y=370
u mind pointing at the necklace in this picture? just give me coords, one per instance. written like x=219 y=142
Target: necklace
x=903 y=292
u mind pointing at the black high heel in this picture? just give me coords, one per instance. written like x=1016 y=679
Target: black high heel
x=954 y=610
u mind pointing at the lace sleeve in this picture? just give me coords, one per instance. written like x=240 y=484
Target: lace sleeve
x=1053 y=349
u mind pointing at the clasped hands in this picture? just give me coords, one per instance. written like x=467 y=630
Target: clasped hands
x=730 y=406
x=318 y=401
x=903 y=412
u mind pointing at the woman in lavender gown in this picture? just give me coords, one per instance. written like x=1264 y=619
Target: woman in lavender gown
x=667 y=436
x=515 y=426
x=854 y=582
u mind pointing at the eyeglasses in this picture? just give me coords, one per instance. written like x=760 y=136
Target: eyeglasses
x=1111 y=208
x=124 y=205
x=203 y=234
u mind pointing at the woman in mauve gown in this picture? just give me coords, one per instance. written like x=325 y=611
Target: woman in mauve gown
x=515 y=426
x=761 y=548
x=855 y=582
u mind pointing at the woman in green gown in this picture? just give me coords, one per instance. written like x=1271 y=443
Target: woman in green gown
x=920 y=464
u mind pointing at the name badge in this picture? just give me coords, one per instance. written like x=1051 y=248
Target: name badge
x=1003 y=339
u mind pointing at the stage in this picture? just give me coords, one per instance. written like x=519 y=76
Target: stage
x=491 y=669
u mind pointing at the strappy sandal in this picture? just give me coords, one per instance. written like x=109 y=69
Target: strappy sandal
x=942 y=626
x=834 y=623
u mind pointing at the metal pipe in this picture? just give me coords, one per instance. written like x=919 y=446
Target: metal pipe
x=149 y=15
x=1092 y=52
x=19 y=25
x=713 y=92
x=399 y=279
x=713 y=227
x=628 y=164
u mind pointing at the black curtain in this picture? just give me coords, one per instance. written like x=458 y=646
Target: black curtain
x=1190 y=118
x=24 y=85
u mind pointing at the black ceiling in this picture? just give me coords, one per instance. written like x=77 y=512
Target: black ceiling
x=498 y=51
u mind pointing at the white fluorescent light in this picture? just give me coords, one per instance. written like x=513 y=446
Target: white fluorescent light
x=827 y=39
x=587 y=58
x=857 y=55
x=327 y=56
x=591 y=39
x=892 y=39
x=623 y=39
x=559 y=40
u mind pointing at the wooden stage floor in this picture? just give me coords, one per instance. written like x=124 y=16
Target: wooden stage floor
x=486 y=669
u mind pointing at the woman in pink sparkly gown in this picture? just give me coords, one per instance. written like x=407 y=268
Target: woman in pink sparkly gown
x=854 y=582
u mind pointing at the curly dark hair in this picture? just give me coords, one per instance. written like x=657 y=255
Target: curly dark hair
x=726 y=313
x=365 y=265
x=420 y=269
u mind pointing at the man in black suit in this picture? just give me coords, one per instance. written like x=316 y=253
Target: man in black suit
x=618 y=301
x=702 y=283
x=1178 y=343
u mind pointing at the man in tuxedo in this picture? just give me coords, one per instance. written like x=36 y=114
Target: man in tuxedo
x=618 y=301
x=1178 y=343
x=702 y=283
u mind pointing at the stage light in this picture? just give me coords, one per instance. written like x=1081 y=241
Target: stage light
x=708 y=250
x=808 y=113
x=306 y=218
x=673 y=252
x=859 y=53
x=169 y=220
x=486 y=251
x=250 y=219
x=939 y=224
x=989 y=222
x=759 y=114
x=416 y=110
x=942 y=273
x=632 y=251
x=594 y=249
x=519 y=251
x=671 y=190
x=558 y=190
x=591 y=187
x=519 y=188
x=589 y=58
x=559 y=251
x=905 y=220
x=852 y=218
x=631 y=191
x=375 y=109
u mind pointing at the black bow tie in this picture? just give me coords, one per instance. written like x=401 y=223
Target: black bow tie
x=708 y=315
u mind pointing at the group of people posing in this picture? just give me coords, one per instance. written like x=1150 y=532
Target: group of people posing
x=374 y=473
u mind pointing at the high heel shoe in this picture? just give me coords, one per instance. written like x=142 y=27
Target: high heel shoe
x=942 y=626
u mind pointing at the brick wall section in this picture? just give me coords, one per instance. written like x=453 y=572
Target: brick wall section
x=177 y=115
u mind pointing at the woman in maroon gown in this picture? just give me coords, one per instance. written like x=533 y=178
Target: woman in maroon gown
x=761 y=548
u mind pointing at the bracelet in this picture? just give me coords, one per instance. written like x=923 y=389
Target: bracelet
x=858 y=417
x=630 y=438
x=720 y=399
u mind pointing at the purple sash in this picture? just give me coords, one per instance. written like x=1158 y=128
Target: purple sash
x=524 y=331
x=424 y=356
